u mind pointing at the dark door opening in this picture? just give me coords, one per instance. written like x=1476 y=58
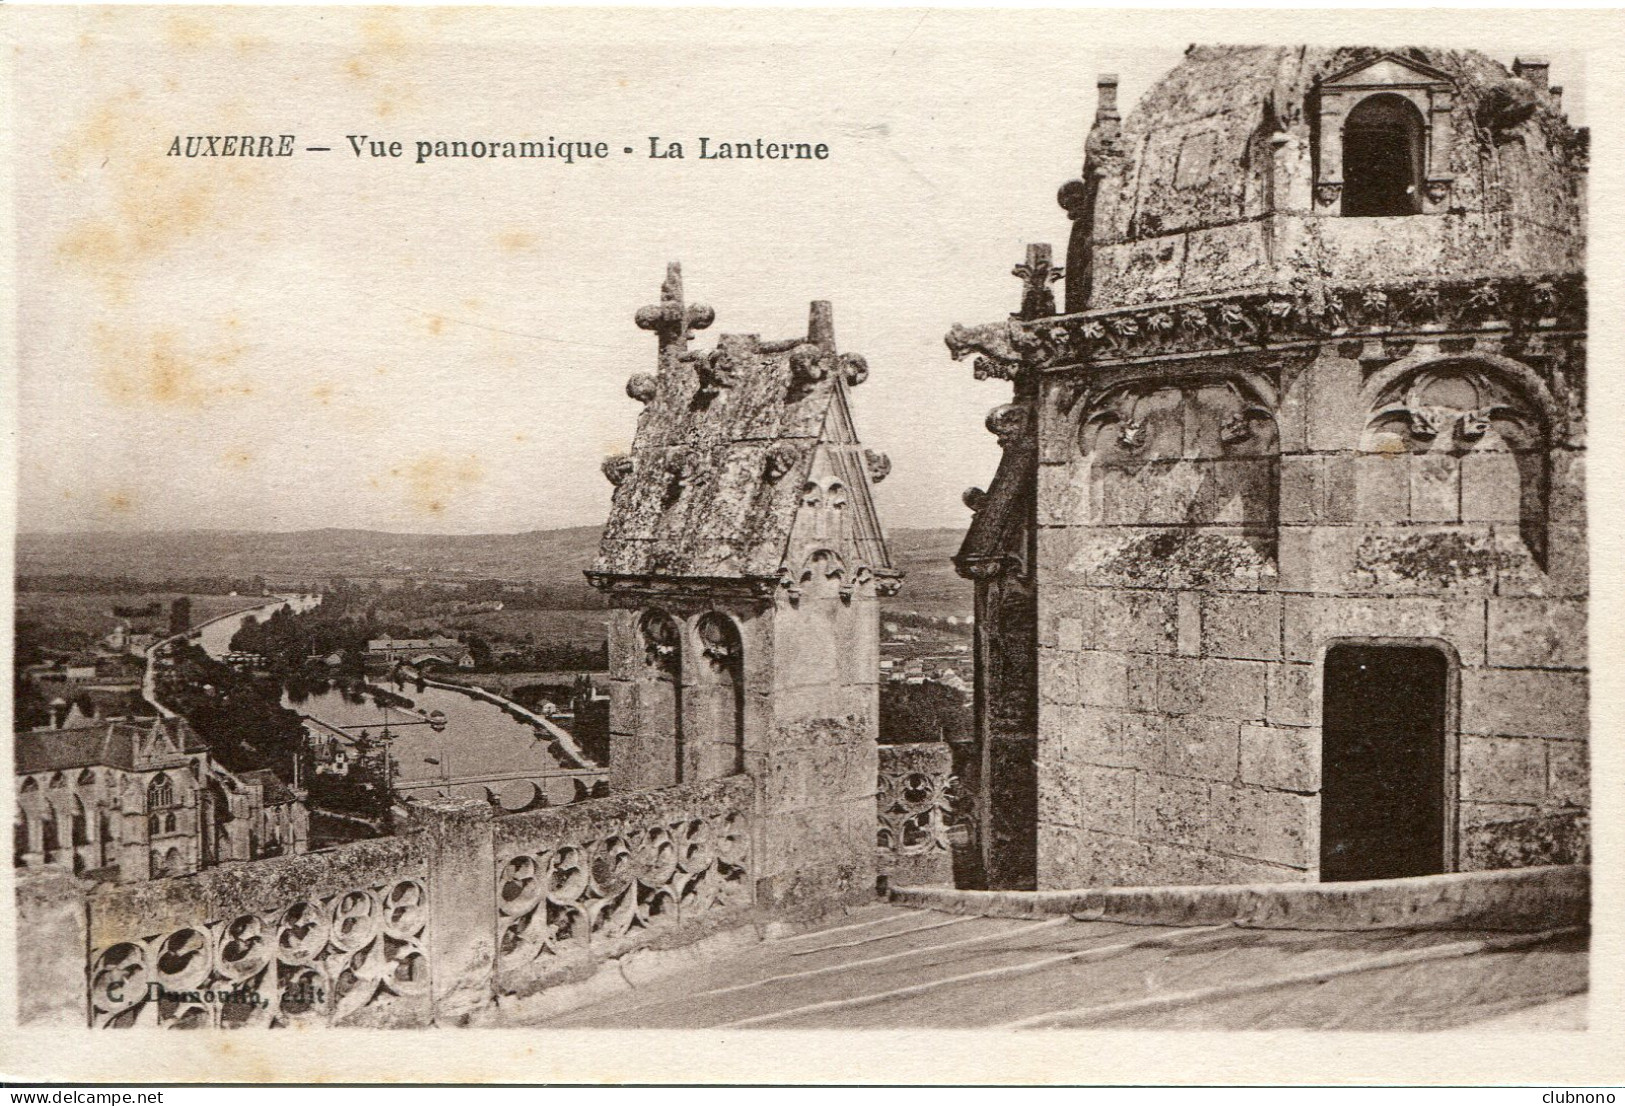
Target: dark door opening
x=1382 y=800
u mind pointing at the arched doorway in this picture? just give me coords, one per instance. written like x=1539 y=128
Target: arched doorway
x=1383 y=797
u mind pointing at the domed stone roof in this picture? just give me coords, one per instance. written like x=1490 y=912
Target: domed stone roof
x=1229 y=175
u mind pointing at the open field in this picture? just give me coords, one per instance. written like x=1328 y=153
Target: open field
x=551 y=558
x=548 y=627
x=69 y=620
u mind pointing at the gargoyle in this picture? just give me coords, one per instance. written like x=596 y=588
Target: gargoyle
x=617 y=468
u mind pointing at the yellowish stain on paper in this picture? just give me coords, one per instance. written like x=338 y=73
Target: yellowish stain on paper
x=434 y=481
x=159 y=371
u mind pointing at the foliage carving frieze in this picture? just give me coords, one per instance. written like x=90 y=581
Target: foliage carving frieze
x=1523 y=304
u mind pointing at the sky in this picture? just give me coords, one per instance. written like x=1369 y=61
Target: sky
x=334 y=341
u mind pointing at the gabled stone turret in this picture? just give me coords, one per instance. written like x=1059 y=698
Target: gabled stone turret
x=744 y=556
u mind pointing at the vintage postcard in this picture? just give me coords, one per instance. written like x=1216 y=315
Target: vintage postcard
x=836 y=529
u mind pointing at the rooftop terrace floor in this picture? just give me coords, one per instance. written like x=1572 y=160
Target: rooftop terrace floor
x=892 y=967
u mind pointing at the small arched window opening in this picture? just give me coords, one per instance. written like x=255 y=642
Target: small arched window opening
x=81 y=822
x=155 y=825
x=725 y=657
x=19 y=840
x=169 y=823
x=1383 y=157
x=160 y=792
x=50 y=836
x=663 y=655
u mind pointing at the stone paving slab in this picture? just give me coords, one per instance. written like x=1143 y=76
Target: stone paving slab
x=893 y=968
x=1427 y=996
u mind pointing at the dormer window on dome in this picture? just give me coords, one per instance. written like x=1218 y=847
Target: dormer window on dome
x=1384 y=139
x=1383 y=152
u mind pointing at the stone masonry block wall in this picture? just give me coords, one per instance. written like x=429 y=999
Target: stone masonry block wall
x=1180 y=694
x=51 y=942
x=1007 y=709
x=816 y=771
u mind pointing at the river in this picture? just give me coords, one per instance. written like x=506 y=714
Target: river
x=479 y=739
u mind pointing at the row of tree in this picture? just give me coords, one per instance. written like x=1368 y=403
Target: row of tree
x=926 y=711
x=78 y=583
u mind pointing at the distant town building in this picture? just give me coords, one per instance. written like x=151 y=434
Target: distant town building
x=448 y=650
x=280 y=823
x=81 y=670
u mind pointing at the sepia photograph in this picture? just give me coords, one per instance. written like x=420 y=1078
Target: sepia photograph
x=884 y=521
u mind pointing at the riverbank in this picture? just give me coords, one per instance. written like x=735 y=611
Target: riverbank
x=149 y=678
x=566 y=743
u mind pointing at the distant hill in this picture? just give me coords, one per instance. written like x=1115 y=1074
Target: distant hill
x=552 y=557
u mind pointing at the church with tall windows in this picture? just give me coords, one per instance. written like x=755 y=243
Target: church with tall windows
x=122 y=800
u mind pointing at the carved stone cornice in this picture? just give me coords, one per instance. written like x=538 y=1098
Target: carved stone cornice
x=1521 y=304
x=617 y=585
x=886 y=581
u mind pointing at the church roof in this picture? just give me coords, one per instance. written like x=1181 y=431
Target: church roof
x=726 y=451
x=104 y=744
x=116 y=744
x=275 y=792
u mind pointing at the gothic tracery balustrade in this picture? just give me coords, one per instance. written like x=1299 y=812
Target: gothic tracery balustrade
x=350 y=957
x=583 y=884
x=916 y=811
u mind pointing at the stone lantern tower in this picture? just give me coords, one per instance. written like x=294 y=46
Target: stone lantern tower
x=1302 y=463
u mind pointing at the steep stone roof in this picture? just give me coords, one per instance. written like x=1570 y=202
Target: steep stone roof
x=1176 y=198
x=274 y=791
x=117 y=744
x=733 y=445
x=100 y=744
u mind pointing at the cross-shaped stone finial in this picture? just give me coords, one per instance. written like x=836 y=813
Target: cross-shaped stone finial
x=1037 y=274
x=671 y=319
